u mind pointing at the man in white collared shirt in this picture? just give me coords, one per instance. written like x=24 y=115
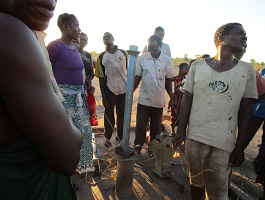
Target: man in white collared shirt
x=165 y=49
x=155 y=69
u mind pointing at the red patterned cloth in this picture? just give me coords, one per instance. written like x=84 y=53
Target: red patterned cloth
x=177 y=96
x=91 y=105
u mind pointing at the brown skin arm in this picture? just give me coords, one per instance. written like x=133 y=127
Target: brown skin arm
x=168 y=86
x=30 y=101
x=137 y=80
x=173 y=78
x=185 y=108
x=91 y=75
x=102 y=89
x=243 y=138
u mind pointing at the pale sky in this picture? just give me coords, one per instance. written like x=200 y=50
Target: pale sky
x=189 y=24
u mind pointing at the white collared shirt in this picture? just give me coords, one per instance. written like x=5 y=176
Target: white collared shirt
x=154 y=74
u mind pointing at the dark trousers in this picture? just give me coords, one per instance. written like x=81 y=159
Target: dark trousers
x=143 y=114
x=109 y=118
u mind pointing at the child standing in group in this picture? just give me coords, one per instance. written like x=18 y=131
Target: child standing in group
x=177 y=95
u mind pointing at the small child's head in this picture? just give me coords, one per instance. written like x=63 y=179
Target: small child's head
x=183 y=69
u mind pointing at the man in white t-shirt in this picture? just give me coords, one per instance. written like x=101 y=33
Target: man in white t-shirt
x=155 y=69
x=217 y=101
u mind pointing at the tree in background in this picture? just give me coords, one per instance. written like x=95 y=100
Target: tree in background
x=185 y=58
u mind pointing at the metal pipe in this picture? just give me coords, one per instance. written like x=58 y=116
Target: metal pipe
x=133 y=53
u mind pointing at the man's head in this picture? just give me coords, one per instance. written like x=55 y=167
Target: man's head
x=108 y=39
x=154 y=45
x=83 y=40
x=159 y=31
x=183 y=68
x=231 y=35
x=34 y=13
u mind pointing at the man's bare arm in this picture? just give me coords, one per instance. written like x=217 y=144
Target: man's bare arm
x=185 y=108
x=137 y=80
x=243 y=138
x=168 y=86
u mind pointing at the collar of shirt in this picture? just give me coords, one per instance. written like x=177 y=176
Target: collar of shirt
x=161 y=58
x=110 y=51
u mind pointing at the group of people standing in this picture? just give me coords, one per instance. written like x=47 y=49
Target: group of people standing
x=46 y=134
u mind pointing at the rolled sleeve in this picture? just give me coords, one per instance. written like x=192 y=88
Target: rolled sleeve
x=138 y=68
x=189 y=83
x=52 y=49
x=98 y=70
x=170 y=70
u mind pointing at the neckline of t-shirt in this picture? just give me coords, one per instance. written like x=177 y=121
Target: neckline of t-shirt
x=68 y=46
x=206 y=64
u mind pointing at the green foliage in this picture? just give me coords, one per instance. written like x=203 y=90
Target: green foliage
x=94 y=54
x=186 y=59
x=258 y=66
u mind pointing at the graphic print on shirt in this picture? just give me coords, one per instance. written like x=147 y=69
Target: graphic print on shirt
x=219 y=86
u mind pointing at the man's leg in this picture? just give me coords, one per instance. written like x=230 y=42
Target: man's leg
x=217 y=184
x=120 y=105
x=156 y=120
x=141 y=121
x=195 y=162
x=109 y=120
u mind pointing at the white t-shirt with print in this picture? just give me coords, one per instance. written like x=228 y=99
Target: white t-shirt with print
x=216 y=100
x=154 y=74
x=115 y=70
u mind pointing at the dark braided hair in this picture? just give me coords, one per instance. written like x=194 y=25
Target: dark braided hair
x=63 y=19
x=155 y=38
x=223 y=30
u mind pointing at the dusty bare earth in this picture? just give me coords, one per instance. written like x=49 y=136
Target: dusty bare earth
x=148 y=186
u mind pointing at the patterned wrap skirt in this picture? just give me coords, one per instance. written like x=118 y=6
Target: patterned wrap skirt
x=75 y=105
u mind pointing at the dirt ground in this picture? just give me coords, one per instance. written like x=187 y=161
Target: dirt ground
x=243 y=177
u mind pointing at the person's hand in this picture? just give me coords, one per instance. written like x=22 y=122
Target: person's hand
x=174 y=78
x=91 y=89
x=170 y=104
x=178 y=140
x=236 y=158
x=105 y=102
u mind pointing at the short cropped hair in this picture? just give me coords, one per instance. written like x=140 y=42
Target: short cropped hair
x=158 y=29
x=224 y=30
x=155 y=38
x=182 y=65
